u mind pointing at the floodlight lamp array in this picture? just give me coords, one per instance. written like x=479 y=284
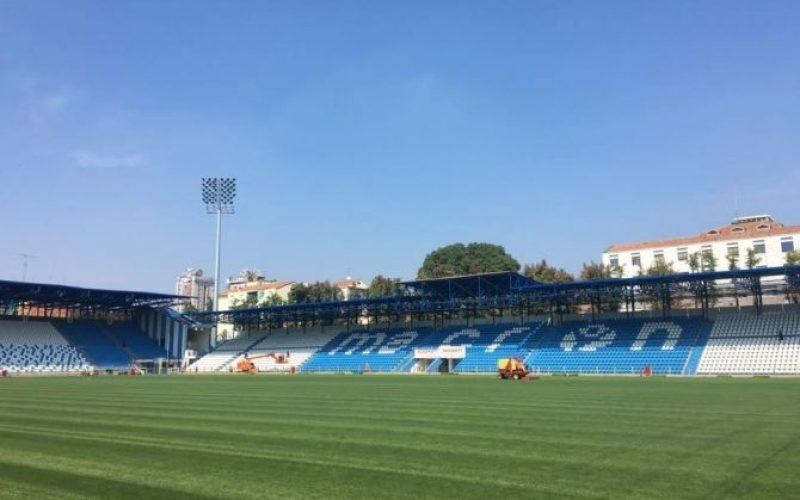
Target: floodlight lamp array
x=218 y=194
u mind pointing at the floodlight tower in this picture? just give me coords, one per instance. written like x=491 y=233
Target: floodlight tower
x=218 y=195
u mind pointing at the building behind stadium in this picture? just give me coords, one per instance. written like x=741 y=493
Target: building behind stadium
x=770 y=241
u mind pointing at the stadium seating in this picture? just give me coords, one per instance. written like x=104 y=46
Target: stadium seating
x=732 y=343
x=365 y=350
x=224 y=356
x=392 y=349
x=296 y=347
x=135 y=341
x=103 y=350
x=491 y=343
x=747 y=345
x=37 y=347
x=621 y=346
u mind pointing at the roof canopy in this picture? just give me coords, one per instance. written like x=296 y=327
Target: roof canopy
x=511 y=290
x=62 y=296
x=476 y=285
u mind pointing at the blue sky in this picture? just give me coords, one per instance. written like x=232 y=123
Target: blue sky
x=365 y=134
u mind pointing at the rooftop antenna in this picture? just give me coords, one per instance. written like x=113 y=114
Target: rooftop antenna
x=25 y=258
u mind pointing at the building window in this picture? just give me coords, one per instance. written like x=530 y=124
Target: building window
x=706 y=250
x=683 y=254
x=759 y=246
x=787 y=245
x=658 y=255
x=636 y=260
x=613 y=261
x=733 y=249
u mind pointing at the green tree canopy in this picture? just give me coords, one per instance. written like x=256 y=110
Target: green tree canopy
x=248 y=303
x=595 y=271
x=321 y=291
x=459 y=259
x=793 y=257
x=660 y=268
x=272 y=300
x=708 y=261
x=544 y=272
x=752 y=259
x=381 y=286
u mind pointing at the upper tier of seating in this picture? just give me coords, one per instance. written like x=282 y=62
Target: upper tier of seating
x=621 y=346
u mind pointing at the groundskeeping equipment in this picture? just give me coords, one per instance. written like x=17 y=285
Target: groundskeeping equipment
x=512 y=368
x=246 y=365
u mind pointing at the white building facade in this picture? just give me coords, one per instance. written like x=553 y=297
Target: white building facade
x=351 y=288
x=770 y=240
x=193 y=284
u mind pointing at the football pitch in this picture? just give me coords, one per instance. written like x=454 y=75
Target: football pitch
x=309 y=436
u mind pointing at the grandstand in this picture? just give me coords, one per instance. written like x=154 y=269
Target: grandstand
x=678 y=345
x=55 y=329
x=460 y=325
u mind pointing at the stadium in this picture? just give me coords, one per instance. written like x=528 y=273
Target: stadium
x=626 y=394
x=399 y=250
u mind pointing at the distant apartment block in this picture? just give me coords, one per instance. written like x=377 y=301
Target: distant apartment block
x=200 y=288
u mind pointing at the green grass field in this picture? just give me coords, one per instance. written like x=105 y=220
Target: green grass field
x=398 y=436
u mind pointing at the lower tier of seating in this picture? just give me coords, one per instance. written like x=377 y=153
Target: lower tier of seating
x=103 y=350
x=47 y=358
x=752 y=345
x=37 y=347
x=726 y=344
x=621 y=346
x=365 y=350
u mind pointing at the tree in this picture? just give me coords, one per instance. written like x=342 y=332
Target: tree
x=708 y=261
x=321 y=291
x=657 y=294
x=752 y=259
x=546 y=273
x=611 y=299
x=694 y=262
x=793 y=290
x=299 y=293
x=459 y=259
x=595 y=271
x=660 y=268
x=189 y=308
x=249 y=303
x=272 y=300
x=733 y=260
x=381 y=286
